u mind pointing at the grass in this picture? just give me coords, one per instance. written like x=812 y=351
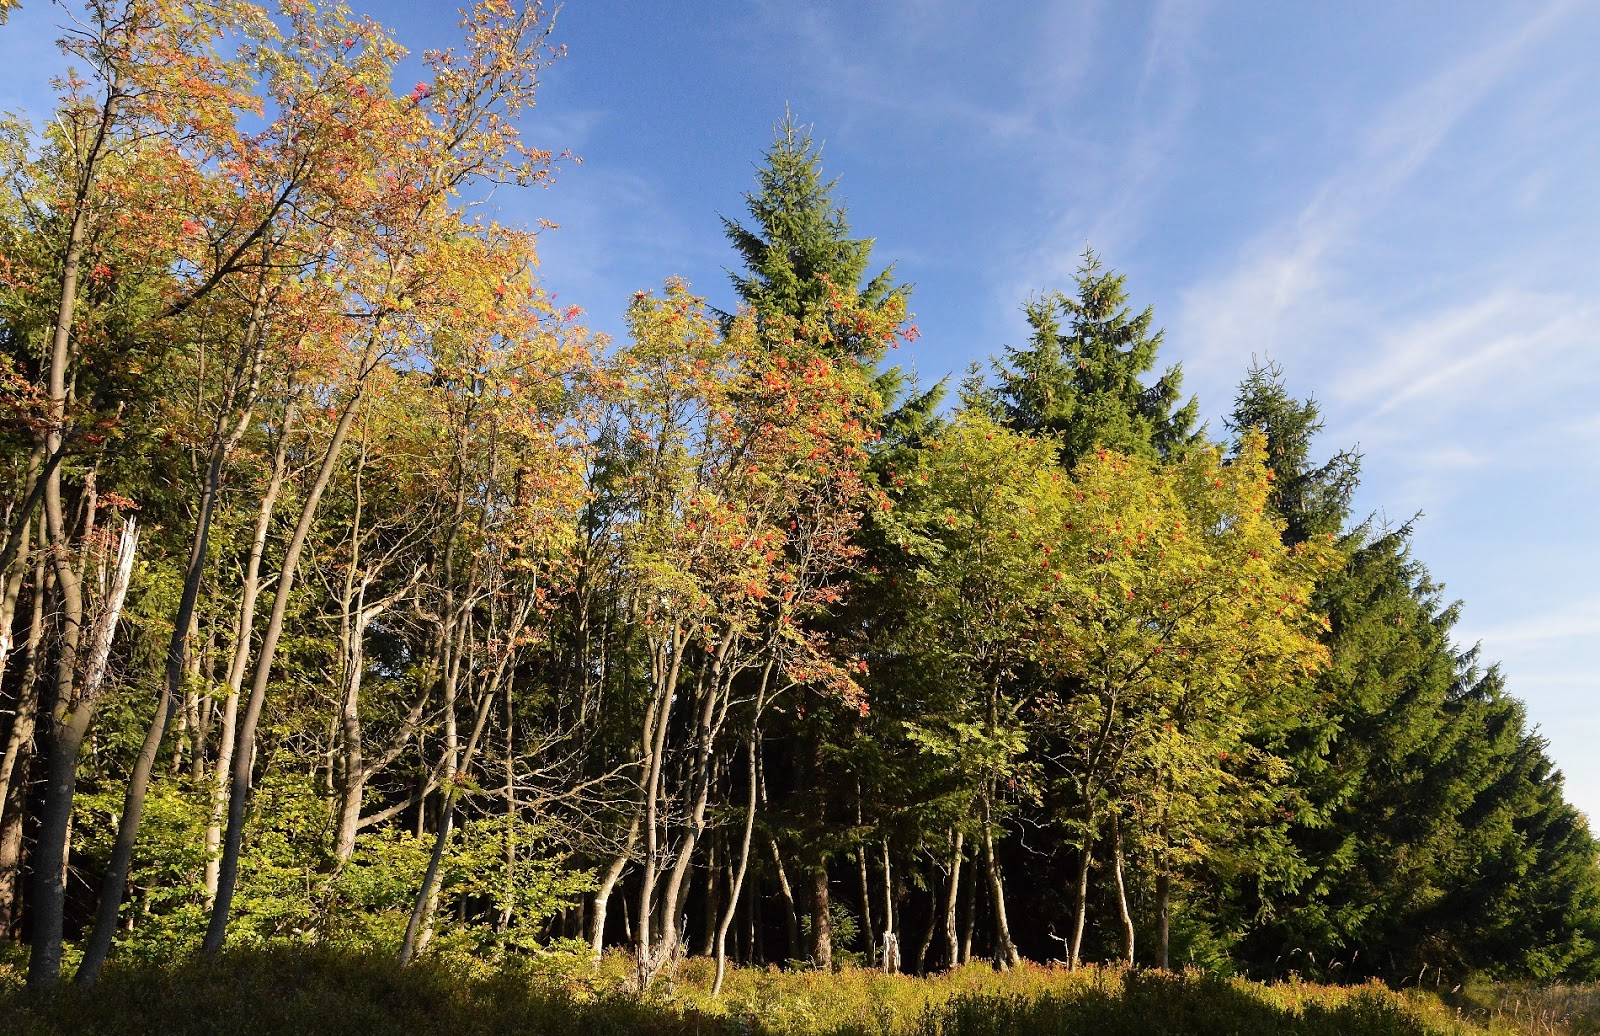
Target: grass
x=315 y=992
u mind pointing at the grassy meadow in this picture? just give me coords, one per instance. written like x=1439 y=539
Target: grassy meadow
x=314 y=992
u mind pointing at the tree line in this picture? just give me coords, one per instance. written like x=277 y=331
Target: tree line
x=353 y=592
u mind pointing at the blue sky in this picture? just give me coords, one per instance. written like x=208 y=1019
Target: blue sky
x=1395 y=201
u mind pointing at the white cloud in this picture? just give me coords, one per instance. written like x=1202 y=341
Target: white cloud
x=1435 y=361
x=1573 y=620
x=1285 y=294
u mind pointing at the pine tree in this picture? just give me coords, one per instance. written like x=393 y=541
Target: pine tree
x=1081 y=374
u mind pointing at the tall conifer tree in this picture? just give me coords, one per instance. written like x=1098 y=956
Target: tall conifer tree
x=797 y=255
x=798 y=234
x=1081 y=375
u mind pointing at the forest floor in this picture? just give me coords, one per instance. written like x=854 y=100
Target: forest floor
x=315 y=992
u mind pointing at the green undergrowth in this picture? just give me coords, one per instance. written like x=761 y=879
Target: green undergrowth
x=315 y=992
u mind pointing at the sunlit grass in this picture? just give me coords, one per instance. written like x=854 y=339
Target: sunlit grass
x=314 y=992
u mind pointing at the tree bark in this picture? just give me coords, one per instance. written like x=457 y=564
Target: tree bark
x=427 y=896
x=821 y=922
x=737 y=885
x=19 y=757
x=1005 y=950
x=1080 y=905
x=608 y=882
x=1122 y=890
x=224 y=441
x=1163 y=906
x=249 y=594
x=891 y=941
x=969 y=920
x=933 y=923
x=952 y=899
x=791 y=919
x=76 y=697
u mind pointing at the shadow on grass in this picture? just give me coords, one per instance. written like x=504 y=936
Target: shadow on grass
x=313 y=992
x=1154 y=1004
x=309 y=992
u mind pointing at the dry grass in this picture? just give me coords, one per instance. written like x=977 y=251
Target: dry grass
x=314 y=992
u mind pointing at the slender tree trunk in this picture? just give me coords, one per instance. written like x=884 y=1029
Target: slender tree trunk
x=713 y=910
x=712 y=709
x=868 y=931
x=19 y=756
x=1080 y=905
x=933 y=923
x=1005 y=950
x=821 y=920
x=1122 y=890
x=185 y=627
x=239 y=784
x=737 y=885
x=791 y=920
x=11 y=585
x=891 y=941
x=456 y=769
x=1163 y=913
x=969 y=921
x=427 y=896
x=249 y=594
x=667 y=660
x=608 y=882
x=952 y=899
x=509 y=761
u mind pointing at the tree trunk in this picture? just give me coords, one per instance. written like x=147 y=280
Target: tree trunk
x=712 y=700
x=249 y=593
x=868 y=932
x=76 y=697
x=952 y=945
x=608 y=882
x=1122 y=890
x=508 y=906
x=791 y=919
x=1080 y=905
x=18 y=759
x=1163 y=905
x=969 y=919
x=933 y=923
x=427 y=896
x=666 y=662
x=715 y=859
x=239 y=783
x=184 y=626
x=821 y=922
x=737 y=884
x=1005 y=950
x=891 y=941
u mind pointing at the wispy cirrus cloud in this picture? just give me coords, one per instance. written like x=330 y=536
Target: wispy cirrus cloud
x=1289 y=290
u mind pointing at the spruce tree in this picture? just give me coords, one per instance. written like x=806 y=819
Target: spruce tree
x=1423 y=824
x=1312 y=499
x=799 y=235
x=797 y=254
x=1081 y=376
